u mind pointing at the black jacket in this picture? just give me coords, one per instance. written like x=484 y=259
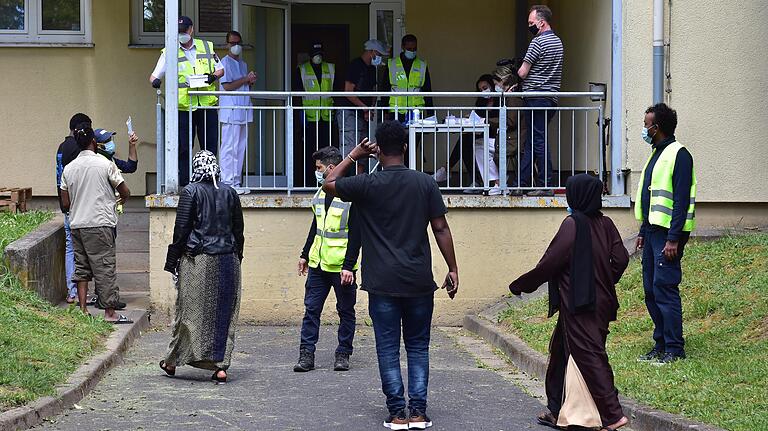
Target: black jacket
x=208 y=220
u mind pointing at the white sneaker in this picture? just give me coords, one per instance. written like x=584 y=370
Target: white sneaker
x=242 y=190
x=441 y=175
x=494 y=191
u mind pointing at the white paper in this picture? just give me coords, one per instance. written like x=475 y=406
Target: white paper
x=129 y=123
x=197 y=81
x=476 y=119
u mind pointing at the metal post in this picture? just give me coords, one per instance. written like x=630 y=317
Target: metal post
x=503 y=144
x=658 y=51
x=159 y=153
x=171 y=96
x=289 y=145
x=616 y=141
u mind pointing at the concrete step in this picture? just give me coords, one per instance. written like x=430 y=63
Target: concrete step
x=131 y=262
x=135 y=282
x=137 y=241
x=131 y=221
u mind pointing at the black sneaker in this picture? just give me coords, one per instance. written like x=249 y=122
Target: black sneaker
x=342 y=362
x=517 y=192
x=397 y=421
x=541 y=192
x=419 y=421
x=306 y=361
x=668 y=358
x=654 y=355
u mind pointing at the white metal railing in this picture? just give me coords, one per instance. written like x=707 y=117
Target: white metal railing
x=463 y=155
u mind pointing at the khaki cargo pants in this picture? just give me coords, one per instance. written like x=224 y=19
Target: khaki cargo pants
x=95 y=260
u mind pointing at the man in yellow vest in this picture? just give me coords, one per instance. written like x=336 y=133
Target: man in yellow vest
x=329 y=259
x=665 y=204
x=314 y=75
x=196 y=57
x=408 y=74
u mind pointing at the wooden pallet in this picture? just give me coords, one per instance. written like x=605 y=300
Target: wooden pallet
x=14 y=199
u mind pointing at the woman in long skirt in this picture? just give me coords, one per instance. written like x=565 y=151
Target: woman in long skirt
x=582 y=265
x=205 y=260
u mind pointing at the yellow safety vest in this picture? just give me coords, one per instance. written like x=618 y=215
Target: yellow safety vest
x=660 y=213
x=205 y=64
x=309 y=79
x=332 y=236
x=410 y=83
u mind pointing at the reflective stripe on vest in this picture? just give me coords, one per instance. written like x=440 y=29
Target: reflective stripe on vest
x=309 y=80
x=662 y=193
x=204 y=63
x=407 y=83
x=329 y=247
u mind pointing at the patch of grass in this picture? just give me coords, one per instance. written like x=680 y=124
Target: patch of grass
x=724 y=381
x=40 y=344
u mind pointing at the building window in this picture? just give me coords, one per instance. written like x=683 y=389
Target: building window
x=212 y=18
x=45 y=22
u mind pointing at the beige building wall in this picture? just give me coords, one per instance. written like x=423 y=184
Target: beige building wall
x=719 y=77
x=461 y=40
x=108 y=82
x=493 y=246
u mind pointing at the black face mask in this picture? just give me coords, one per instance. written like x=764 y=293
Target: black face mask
x=533 y=29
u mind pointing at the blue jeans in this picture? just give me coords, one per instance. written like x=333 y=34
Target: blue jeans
x=415 y=314
x=318 y=287
x=535 y=147
x=661 y=278
x=69 y=260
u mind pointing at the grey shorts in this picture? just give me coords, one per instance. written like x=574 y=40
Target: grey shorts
x=95 y=260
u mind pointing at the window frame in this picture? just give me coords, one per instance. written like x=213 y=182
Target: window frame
x=34 y=35
x=139 y=37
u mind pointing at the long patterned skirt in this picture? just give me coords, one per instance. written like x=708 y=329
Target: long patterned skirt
x=207 y=308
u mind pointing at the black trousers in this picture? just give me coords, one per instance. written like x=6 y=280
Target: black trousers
x=205 y=126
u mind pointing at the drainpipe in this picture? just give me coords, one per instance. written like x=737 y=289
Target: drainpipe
x=617 y=104
x=658 y=51
x=172 y=97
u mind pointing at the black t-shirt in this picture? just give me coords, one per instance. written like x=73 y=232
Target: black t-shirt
x=364 y=78
x=394 y=208
x=68 y=151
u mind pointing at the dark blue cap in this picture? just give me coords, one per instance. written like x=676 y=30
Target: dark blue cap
x=184 y=23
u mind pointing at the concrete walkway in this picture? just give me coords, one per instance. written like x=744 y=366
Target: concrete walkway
x=470 y=389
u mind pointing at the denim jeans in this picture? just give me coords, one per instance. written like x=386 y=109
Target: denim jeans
x=318 y=287
x=413 y=316
x=535 y=148
x=69 y=260
x=661 y=278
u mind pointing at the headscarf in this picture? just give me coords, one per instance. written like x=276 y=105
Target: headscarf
x=205 y=168
x=584 y=195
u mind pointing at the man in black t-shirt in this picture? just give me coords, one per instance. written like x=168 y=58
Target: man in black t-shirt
x=395 y=206
x=361 y=76
x=68 y=151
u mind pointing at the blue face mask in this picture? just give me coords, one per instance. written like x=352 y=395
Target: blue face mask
x=410 y=55
x=569 y=210
x=109 y=147
x=646 y=137
x=376 y=61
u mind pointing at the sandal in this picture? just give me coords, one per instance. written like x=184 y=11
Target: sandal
x=170 y=372
x=547 y=419
x=121 y=320
x=219 y=380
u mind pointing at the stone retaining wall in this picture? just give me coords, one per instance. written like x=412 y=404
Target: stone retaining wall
x=37 y=259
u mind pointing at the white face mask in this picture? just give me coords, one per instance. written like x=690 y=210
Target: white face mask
x=184 y=38
x=487 y=90
x=410 y=55
x=317 y=59
x=499 y=88
x=376 y=60
x=320 y=176
x=235 y=49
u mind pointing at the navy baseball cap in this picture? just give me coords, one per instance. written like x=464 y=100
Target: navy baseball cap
x=317 y=48
x=102 y=135
x=184 y=23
